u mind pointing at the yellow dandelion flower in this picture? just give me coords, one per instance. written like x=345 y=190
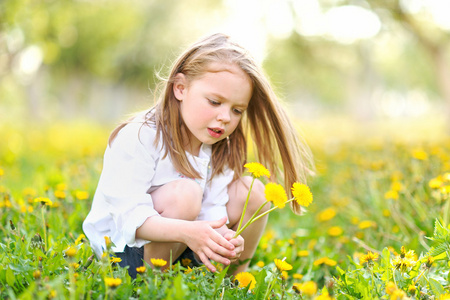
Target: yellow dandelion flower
x=284 y=275
x=141 y=269
x=282 y=265
x=396 y=186
x=43 y=201
x=390 y=288
x=158 y=262
x=52 y=294
x=335 y=231
x=257 y=169
x=368 y=258
x=71 y=251
x=324 y=296
x=445 y=297
x=330 y=262
x=445 y=190
x=188 y=270
x=419 y=154
x=391 y=195
x=435 y=183
x=325 y=261
x=398 y=295
x=412 y=288
x=275 y=193
x=81 y=195
x=366 y=224
x=297 y=276
x=79 y=239
x=75 y=265
x=113 y=282
x=115 y=260
x=245 y=279
x=60 y=194
x=386 y=212
x=308 y=288
x=185 y=262
x=326 y=214
x=260 y=264
x=302 y=194
x=403 y=263
x=36 y=274
x=302 y=253
x=2 y=172
x=446 y=176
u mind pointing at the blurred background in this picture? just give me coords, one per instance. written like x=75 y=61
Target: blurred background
x=384 y=61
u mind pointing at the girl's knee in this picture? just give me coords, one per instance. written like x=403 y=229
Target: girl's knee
x=257 y=197
x=180 y=199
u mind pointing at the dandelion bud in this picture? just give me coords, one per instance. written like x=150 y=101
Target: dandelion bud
x=107 y=242
x=89 y=262
x=402 y=252
x=430 y=261
x=12 y=225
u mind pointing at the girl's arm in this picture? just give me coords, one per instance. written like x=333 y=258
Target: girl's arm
x=202 y=237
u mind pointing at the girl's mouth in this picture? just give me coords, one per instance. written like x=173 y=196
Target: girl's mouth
x=215 y=132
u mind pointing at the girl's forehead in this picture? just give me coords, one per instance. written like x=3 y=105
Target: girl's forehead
x=215 y=67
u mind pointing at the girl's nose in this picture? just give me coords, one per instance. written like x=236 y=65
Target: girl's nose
x=224 y=116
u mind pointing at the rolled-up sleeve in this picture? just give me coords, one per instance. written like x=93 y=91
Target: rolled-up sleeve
x=128 y=169
x=216 y=197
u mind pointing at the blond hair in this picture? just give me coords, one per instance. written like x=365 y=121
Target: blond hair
x=265 y=119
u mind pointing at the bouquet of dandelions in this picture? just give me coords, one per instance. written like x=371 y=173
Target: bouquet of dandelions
x=274 y=193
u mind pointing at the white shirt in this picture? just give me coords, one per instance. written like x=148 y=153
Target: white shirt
x=132 y=168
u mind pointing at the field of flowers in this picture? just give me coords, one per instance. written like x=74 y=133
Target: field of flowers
x=377 y=228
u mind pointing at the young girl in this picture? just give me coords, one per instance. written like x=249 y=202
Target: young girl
x=172 y=181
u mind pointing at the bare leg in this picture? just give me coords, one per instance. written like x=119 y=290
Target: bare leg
x=180 y=199
x=238 y=194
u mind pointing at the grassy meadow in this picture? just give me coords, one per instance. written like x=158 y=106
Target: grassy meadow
x=377 y=228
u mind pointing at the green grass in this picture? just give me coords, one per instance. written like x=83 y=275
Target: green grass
x=370 y=194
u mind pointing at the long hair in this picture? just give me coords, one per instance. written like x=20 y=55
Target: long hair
x=276 y=140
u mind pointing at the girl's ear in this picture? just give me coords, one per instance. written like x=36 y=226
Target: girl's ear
x=179 y=86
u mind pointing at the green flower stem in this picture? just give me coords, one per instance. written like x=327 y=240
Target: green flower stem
x=45 y=227
x=255 y=218
x=420 y=276
x=72 y=282
x=270 y=287
x=250 y=220
x=245 y=206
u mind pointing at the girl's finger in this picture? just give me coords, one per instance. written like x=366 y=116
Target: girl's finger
x=205 y=260
x=218 y=223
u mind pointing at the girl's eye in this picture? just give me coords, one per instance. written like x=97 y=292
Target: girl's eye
x=213 y=102
x=237 y=111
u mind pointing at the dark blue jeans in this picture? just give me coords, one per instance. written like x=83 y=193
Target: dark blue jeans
x=133 y=258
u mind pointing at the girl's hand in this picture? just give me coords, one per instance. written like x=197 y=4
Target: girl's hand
x=207 y=243
x=238 y=243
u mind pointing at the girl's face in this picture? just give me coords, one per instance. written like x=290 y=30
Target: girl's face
x=212 y=105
